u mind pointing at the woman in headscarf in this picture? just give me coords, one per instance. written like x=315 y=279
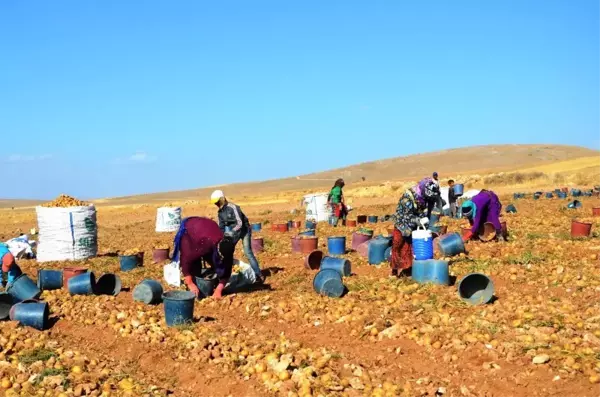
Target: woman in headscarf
x=200 y=240
x=337 y=202
x=483 y=207
x=409 y=215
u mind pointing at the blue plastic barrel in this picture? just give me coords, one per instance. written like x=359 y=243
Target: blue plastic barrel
x=23 y=288
x=49 y=279
x=336 y=245
x=516 y=196
x=6 y=302
x=31 y=313
x=434 y=219
x=179 y=307
x=388 y=254
x=340 y=265
x=431 y=271
x=574 y=204
x=377 y=248
x=575 y=192
x=108 y=284
x=372 y=218
x=328 y=282
x=459 y=189
x=82 y=284
x=422 y=245
x=148 y=291
x=562 y=195
x=476 y=289
x=451 y=244
x=310 y=225
x=309 y=232
x=207 y=285
x=536 y=197
x=549 y=195
x=256 y=227
x=129 y=262
x=511 y=209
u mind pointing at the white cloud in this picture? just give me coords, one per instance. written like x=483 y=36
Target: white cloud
x=18 y=158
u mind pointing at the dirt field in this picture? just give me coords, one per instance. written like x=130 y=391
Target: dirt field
x=384 y=338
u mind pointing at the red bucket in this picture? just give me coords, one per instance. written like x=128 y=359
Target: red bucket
x=596 y=211
x=296 y=224
x=565 y=190
x=69 y=272
x=308 y=244
x=313 y=260
x=351 y=222
x=465 y=231
x=280 y=227
x=160 y=255
x=580 y=229
x=296 y=244
x=258 y=245
x=504 y=228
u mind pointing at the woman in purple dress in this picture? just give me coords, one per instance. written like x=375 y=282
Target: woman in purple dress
x=483 y=207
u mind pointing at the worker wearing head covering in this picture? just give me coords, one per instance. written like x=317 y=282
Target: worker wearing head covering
x=409 y=215
x=200 y=241
x=483 y=207
x=9 y=265
x=234 y=222
x=337 y=202
x=428 y=187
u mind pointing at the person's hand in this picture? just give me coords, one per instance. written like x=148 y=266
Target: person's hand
x=467 y=236
x=218 y=294
x=194 y=288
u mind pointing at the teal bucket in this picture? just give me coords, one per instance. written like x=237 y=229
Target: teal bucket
x=148 y=291
x=207 y=285
x=476 y=289
x=451 y=244
x=108 y=284
x=328 y=282
x=130 y=262
x=23 y=288
x=340 y=265
x=82 y=284
x=31 y=313
x=49 y=279
x=179 y=307
x=431 y=271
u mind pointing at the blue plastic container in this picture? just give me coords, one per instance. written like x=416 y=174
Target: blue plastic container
x=256 y=227
x=549 y=195
x=82 y=284
x=328 y=282
x=575 y=192
x=108 y=284
x=434 y=219
x=562 y=195
x=516 y=196
x=536 y=196
x=336 y=245
x=476 y=289
x=431 y=271
x=340 y=265
x=148 y=291
x=129 y=262
x=310 y=232
x=451 y=244
x=23 y=288
x=49 y=279
x=179 y=307
x=310 y=225
x=31 y=313
x=511 y=209
x=422 y=244
x=459 y=189
x=377 y=248
x=207 y=285
x=372 y=218
x=388 y=254
x=574 y=204
x=6 y=302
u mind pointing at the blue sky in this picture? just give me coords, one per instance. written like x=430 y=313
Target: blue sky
x=116 y=97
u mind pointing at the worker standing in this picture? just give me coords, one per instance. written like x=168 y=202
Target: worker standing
x=452 y=198
x=337 y=202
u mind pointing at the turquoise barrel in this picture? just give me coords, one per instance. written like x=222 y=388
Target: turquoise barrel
x=431 y=271
x=372 y=218
x=179 y=307
x=308 y=232
x=130 y=262
x=476 y=289
x=336 y=245
x=574 y=204
x=49 y=279
x=108 y=284
x=23 y=288
x=451 y=244
x=31 y=313
x=256 y=227
x=511 y=209
x=148 y=291
x=422 y=244
x=6 y=302
x=328 y=282
x=340 y=265
x=82 y=284
x=388 y=254
x=310 y=225
x=459 y=189
x=207 y=285
x=376 y=251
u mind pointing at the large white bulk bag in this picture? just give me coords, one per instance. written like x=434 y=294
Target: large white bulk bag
x=317 y=208
x=66 y=233
x=168 y=219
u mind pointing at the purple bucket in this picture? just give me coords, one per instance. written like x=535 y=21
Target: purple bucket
x=296 y=244
x=358 y=239
x=258 y=245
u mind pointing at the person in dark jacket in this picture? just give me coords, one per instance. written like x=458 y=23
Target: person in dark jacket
x=233 y=222
x=452 y=198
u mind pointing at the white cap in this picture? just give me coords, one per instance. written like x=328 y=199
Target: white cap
x=216 y=196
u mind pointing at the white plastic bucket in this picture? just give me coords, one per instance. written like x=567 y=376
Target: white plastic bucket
x=317 y=208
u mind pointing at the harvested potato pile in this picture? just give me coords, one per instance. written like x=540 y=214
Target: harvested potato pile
x=133 y=251
x=64 y=201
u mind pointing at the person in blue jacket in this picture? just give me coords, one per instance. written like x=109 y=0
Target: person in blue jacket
x=9 y=265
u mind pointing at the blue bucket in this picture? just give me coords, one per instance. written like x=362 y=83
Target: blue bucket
x=388 y=254
x=340 y=265
x=31 y=313
x=372 y=218
x=575 y=192
x=82 y=284
x=148 y=291
x=574 y=204
x=22 y=288
x=459 y=189
x=422 y=247
x=434 y=219
x=536 y=196
x=130 y=262
x=562 y=195
x=451 y=244
x=310 y=225
x=6 y=302
x=549 y=195
x=310 y=232
x=179 y=307
x=329 y=283
x=256 y=227
x=431 y=271
x=476 y=289
x=49 y=279
x=377 y=248
x=108 y=284
x=207 y=285
x=511 y=209
x=336 y=245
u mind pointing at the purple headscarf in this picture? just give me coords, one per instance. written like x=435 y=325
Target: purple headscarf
x=426 y=191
